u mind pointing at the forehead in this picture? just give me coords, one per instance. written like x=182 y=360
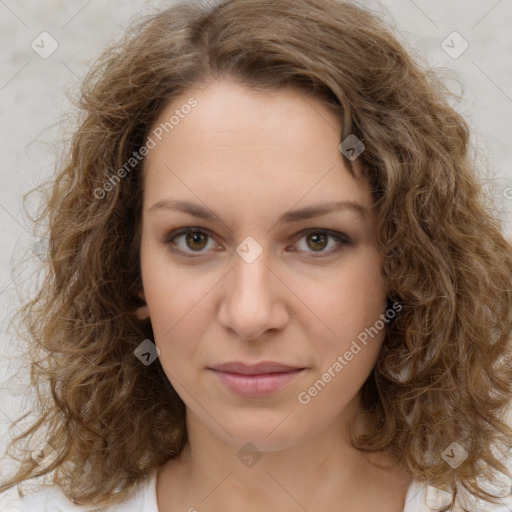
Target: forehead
x=271 y=146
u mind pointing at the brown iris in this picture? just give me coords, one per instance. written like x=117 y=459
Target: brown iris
x=318 y=239
x=194 y=238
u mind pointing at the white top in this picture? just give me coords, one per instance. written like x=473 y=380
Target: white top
x=420 y=497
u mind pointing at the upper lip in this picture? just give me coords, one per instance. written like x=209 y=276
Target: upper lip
x=254 y=369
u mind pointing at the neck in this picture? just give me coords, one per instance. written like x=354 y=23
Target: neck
x=213 y=474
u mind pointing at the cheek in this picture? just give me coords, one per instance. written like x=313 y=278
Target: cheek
x=173 y=295
x=349 y=301
x=329 y=392
x=177 y=327
x=179 y=312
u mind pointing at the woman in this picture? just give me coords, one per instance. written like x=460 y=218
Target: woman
x=274 y=281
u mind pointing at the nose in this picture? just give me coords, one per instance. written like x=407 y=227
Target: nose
x=253 y=299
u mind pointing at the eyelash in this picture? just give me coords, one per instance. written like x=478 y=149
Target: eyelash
x=341 y=238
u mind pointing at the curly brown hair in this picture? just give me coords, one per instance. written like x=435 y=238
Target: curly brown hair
x=444 y=370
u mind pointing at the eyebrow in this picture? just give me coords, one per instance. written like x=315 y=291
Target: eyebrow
x=288 y=217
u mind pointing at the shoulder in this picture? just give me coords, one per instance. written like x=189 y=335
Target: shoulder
x=52 y=499
x=422 y=497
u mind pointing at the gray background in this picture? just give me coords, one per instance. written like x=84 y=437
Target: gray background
x=33 y=106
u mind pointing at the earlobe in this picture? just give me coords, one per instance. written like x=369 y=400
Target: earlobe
x=142 y=312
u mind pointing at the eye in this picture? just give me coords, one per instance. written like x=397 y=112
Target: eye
x=195 y=240
x=318 y=240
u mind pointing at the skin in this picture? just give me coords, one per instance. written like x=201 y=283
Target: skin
x=250 y=157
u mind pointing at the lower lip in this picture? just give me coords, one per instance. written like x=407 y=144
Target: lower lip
x=256 y=385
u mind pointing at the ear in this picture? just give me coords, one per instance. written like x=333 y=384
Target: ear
x=142 y=312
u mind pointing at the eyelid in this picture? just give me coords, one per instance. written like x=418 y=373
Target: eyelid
x=332 y=232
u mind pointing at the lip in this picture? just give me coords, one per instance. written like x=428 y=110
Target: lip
x=261 y=368
x=255 y=380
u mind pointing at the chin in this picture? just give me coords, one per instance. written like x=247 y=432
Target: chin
x=266 y=432
x=262 y=442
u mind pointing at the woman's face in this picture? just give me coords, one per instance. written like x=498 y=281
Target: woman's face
x=269 y=273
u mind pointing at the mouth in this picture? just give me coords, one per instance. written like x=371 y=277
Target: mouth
x=263 y=368
x=255 y=380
